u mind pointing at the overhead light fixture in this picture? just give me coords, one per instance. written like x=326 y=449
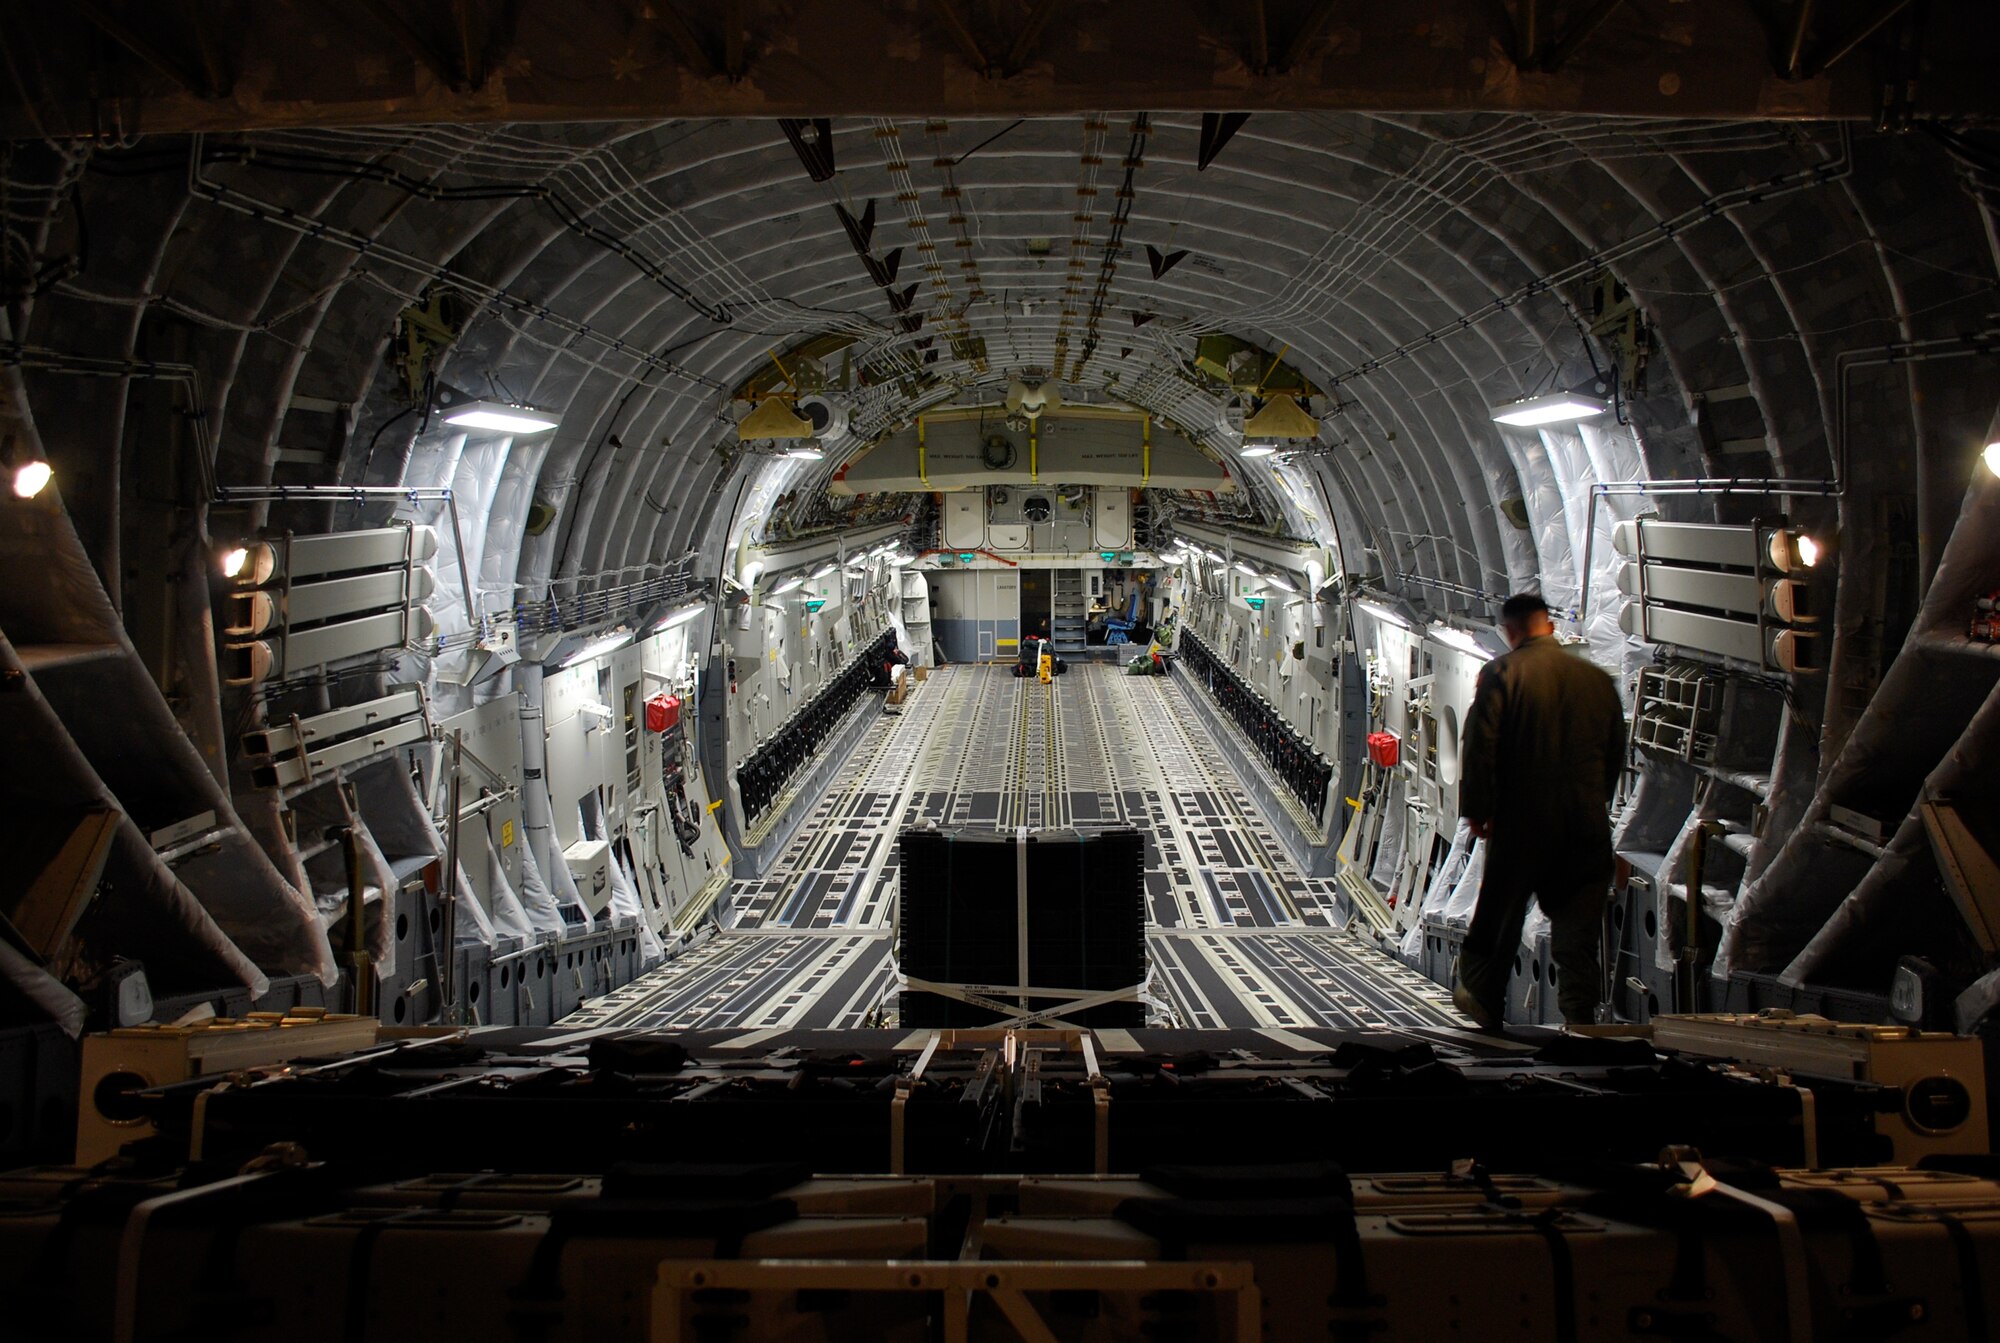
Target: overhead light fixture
x=792 y=584
x=1383 y=614
x=1247 y=570
x=804 y=452
x=1460 y=639
x=898 y=561
x=1549 y=408
x=1791 y=551
x=1992 y=457
x=501 y=417
x=1032 y=399
x=609 y=643
x=1281 y=417
x=234 y=560
x=679 y=617
x=31 y=471
x=825 y=569
x=1259 y=449
x=1278 y=581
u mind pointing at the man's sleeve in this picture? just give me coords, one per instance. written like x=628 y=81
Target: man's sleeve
x=1478 y=785
x=1614 y=741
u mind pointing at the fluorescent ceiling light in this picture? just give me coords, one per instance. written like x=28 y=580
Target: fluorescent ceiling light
x=1259 y=449
x=681 y=616
x=1992 y=457
x=898 y=561
x=803 y=453
x=499 y=416
x=792 y=584
x=1550 y=408
x=1279 y=582
x=825 y=569
x=609 y=643
x=31 y=478
x=1243 y=568
x=1383 y=613
x=1460 y=639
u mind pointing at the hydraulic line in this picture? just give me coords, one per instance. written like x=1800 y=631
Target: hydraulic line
x=1662 y=231
x=285 y=217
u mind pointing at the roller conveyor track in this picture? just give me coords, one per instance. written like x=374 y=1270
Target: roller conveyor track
x=1241 y=938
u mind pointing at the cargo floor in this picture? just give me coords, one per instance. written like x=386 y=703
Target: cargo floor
x=1240 y=938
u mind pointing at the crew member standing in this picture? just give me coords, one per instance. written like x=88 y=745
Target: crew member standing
x=1544 y=745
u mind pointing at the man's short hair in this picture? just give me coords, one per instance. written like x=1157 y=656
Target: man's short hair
x=1522 y=608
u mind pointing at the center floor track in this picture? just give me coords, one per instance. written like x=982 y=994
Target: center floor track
x=1240 y=938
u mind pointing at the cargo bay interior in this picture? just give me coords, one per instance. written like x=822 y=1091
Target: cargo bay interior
x=530 y=537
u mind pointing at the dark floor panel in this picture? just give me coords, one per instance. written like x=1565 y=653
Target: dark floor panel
x=1243 y=938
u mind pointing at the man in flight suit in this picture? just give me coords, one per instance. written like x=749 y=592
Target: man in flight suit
x=1544 y=746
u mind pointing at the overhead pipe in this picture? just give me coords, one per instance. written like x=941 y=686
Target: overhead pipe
x=240 y=494
x=1832 y=487
x=1664 y=230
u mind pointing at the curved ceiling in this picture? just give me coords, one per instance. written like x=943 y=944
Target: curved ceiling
x=1415 y=267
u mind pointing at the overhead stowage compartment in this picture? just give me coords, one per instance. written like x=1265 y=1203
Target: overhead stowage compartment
x=958 y=450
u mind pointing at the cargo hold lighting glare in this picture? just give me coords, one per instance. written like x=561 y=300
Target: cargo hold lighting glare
x=609 y=643
x=792 y=584
x=31 y=471
x=1383 y=614
x=1259 y=449
x=501 y=417
x=680 y=617
x=1992 y=457
x=1461 y=640
x=31 y=478
x=1549 y=408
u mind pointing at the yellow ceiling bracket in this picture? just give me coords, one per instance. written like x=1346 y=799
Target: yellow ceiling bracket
x=1146 y=453
x=1281 y=417
x=923 y=467
x=773 y=419
x=1276 y=359
x=1034 y=452
x=788 y=377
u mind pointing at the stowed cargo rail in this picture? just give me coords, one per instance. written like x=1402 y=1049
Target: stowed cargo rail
x=763 y=776
x=1087 y=1184
x=1302 y=768
x=1681 y=1248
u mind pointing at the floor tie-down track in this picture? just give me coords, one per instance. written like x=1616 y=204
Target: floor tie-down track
x=1240 y=937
